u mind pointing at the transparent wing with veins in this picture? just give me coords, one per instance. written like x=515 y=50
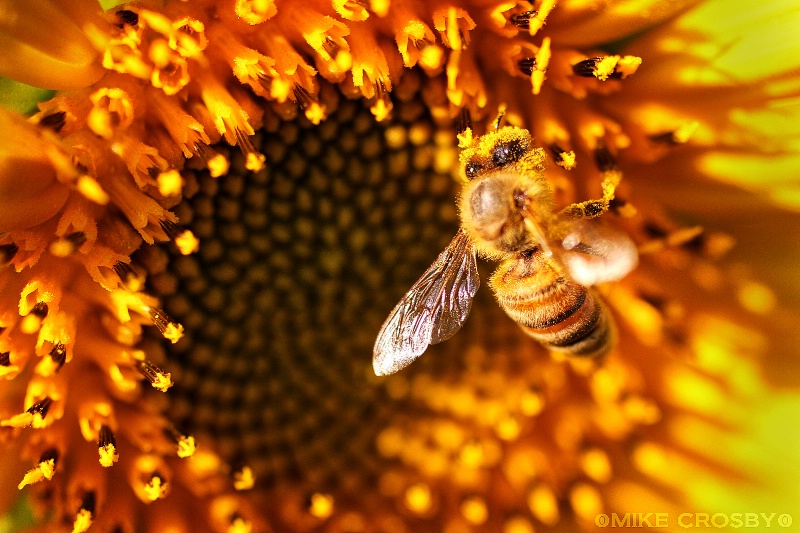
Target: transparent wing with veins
x=432 y=311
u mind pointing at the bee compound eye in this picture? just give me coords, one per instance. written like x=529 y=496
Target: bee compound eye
x=506 y=153
x=473 y=169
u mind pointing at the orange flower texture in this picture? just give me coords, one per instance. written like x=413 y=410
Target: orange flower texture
x=208 y=208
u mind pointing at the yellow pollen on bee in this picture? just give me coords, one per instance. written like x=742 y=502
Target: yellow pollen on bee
x=418 y=498
x=474 y=510
x=43 y=470
x=83 y=520
x=244 y=479
x=321 y=505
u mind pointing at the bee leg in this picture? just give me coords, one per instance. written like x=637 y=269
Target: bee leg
x=594 y=208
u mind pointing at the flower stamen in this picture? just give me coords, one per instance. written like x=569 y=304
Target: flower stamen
x=127 y=18
x=563 y=158
x=107 y=446
x=186 y=443
x=159 y=379
x=54 y=121
x=44 y=469
x=68 y=244
x=128 y=276
x=603 y=68
x=7 y=253
x=85 y=515
x=184 y=239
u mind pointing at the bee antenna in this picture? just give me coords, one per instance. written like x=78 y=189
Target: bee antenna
x=464 y=121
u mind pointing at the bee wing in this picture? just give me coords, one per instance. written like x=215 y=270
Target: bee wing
x=432 y=311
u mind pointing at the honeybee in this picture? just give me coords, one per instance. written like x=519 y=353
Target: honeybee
x=549 y=259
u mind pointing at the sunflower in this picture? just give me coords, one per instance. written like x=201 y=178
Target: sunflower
x=202 y=229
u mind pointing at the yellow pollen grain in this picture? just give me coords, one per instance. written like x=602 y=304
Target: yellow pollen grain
x=321 y=505
x=170 y=183
x=162 y=381
x=418 y=498
x=585 y=501
x=187 y=244
x=756 y=297
x=186 y=447
x=83 y=520
x=567 y=160
x=596 y=464
x=254 y=161
x=91 y=189
x=605 y=67
x=108 y=455
x=543 y=505
x=627 y=65
x=244 y=479
x=155 y=489
x=218 y=166
x=381 y=109
x=474 y=510
x=173 y=332
x=43 y=470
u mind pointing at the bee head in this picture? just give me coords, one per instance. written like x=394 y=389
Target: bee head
x=493 y=151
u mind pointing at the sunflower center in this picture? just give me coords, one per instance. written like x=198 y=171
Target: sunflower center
x=298 y=266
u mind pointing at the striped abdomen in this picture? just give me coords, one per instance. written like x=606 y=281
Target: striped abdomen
x=554 y=310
